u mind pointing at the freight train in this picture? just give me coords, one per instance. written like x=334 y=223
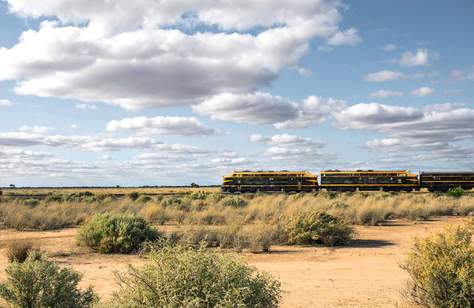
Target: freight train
x=337 y=180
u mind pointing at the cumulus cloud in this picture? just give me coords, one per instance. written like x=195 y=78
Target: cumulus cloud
x=287 y=140
x=29 y=137
x=292 y=148
x=385 y=94
x=430 y=132
x=155 y=53
x=423 y=91
x=265 y=108
x=5 y=103
x=161 y=125
x=255 y=108
x=420 y=57
x=35 y=129
x=368 y=115
x=348 y=37
x=312 y=111
x=384 y=75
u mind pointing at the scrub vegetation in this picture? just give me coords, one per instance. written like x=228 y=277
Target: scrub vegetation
x=212 y=209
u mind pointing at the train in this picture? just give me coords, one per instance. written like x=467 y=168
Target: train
x=345 y=180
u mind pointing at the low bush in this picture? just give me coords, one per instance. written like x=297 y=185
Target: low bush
x=18 y=251
x=441 y=269
x=199 y=236
x=30 y=202
x=456 y=192
x=231 y=236
x=235 y=202
x=317 y=228
x=198 y=195
x=45 y=216
x=107 y=233
x=260 y=238
x=134 y=195
x=144 y=199
x=41 y=283
x=187 y=277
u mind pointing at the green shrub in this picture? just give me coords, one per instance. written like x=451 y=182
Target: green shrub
x=107 y=233
x=456 y=192
x=42 y=284
x=82 y=196
x=199 y=195
x=186 y=277
x=441 y=268
x=134 y=195
x=317 y=228
x=31 y=202
x=235 y=202
x=144 y=199
x=54 y=198
x=18 y=251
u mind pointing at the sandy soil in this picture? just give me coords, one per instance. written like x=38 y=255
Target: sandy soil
x=366 y=274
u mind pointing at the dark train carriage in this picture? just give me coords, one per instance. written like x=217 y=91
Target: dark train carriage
x=254 y=181
x=366 y=180
x=444 y=181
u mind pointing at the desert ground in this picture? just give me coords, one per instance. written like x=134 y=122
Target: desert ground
x=364 y=274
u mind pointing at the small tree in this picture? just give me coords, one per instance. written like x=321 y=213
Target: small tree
x=185 y=277
x=441 y=269
x=42 y=284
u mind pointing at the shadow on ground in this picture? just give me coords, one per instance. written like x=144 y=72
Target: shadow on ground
x=360 y=243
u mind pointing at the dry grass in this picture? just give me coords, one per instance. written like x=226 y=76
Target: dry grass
x=104 y=190
x=215 y=209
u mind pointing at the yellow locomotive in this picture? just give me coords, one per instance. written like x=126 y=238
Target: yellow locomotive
x=396 y=180
x=255 y=181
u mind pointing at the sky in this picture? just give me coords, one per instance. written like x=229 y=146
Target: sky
x=147 y=92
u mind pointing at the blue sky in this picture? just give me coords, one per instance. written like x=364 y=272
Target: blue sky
x=144 y=94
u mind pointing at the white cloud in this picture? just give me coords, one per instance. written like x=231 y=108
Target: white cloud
x=293 y=149
x=349 y=37
x=423 y=91
x=29 y=137
x=312 y=111
x=265 y=108
x=303 y=71
x=86 y=107
x=430 y=133
x=368 y=115
x=5 y=103
x=35 y=129
x=390 y=47
x=287 y=140
x=153 y=53
x=385 y=94
x=462 y=75
x=161 y=125
x=255 y=108
x=257 y=138
x=384 y=75
x=420 y=57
